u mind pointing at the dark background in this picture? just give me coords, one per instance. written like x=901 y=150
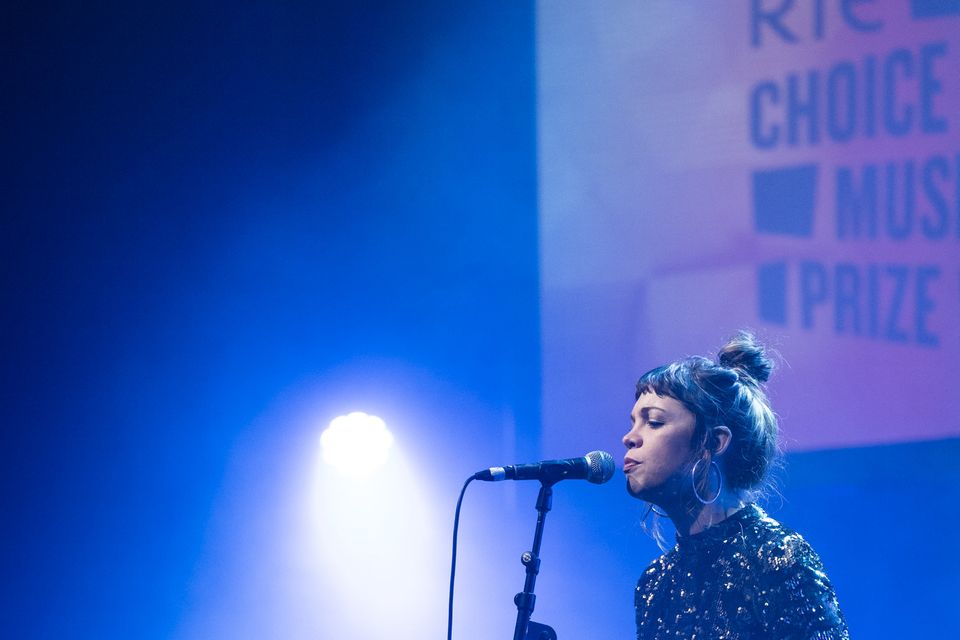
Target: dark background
x=205 y=204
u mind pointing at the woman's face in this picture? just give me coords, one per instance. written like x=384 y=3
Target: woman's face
x=659 y=453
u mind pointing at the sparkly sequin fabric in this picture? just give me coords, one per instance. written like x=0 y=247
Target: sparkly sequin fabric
x=748 y=577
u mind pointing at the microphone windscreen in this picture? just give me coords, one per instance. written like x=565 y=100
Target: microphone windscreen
x=602 y=466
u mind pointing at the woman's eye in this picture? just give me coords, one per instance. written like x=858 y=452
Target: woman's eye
x=655 y=423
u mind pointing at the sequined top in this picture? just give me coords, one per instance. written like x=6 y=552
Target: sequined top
x=747 y=577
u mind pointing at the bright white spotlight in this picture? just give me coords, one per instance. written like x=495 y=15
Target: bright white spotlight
x=356 y=444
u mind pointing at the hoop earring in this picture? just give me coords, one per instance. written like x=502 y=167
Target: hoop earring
x=693 y=481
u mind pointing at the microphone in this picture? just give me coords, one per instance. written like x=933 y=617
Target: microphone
x=596 y=467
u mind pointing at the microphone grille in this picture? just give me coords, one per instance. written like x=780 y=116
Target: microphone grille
x=602 y=466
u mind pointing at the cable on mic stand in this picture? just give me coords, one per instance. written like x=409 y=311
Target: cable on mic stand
x=453 y=560
x=525 y=629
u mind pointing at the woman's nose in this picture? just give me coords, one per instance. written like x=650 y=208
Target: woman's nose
x=630 y=439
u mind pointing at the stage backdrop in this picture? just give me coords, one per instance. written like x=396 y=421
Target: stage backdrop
x=787 y=166
x=793 y=167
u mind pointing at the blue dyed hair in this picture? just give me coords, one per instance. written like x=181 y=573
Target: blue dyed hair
x=727 y=392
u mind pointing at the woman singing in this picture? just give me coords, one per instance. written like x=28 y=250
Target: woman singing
x=702 y=440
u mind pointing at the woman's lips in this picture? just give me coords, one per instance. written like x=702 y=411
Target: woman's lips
x=628 y=465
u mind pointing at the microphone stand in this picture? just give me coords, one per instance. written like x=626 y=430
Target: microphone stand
x=526 y=629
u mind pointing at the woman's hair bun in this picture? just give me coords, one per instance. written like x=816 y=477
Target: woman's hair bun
x=744 y=353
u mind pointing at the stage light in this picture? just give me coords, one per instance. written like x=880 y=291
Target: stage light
x=356 y=444
x=369 y=516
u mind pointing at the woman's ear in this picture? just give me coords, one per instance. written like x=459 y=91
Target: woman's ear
x=720 y=439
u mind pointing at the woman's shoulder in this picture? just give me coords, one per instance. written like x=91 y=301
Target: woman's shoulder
x=791 y=576
x=750 y=539
x=776 y=546
x=658 y=567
